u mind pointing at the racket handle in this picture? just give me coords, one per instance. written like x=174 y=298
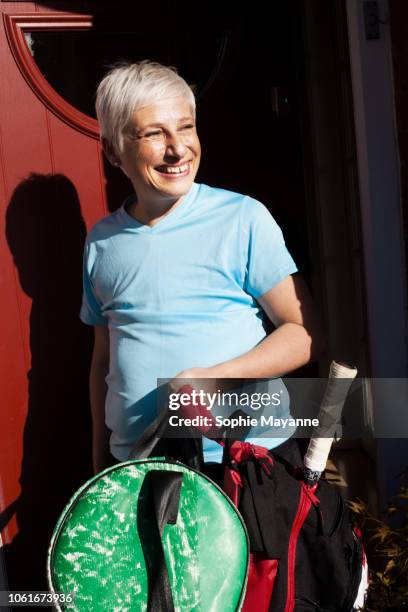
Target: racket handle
x=338 y=385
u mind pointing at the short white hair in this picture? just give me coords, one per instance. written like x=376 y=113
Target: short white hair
x=128 y=87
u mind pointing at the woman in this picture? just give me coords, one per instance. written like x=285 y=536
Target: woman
x=178 y=281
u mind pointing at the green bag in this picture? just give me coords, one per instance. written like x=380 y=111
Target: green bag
x=150 y=535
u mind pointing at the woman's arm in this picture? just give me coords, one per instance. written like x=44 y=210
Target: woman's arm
x=297 y=340
x=98 y=389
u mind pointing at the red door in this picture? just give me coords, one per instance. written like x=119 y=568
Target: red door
x=51 y=189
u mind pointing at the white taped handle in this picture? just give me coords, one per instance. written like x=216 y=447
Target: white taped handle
x=338 y=385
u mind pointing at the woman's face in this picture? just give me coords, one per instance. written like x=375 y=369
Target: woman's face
x=161 y=151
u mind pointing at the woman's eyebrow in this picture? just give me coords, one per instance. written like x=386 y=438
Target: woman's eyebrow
x=181 y=120
x=150 y=125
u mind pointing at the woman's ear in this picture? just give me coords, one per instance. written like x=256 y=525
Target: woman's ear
x=110 y=152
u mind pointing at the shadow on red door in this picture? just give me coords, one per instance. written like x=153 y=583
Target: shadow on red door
x=45 y=233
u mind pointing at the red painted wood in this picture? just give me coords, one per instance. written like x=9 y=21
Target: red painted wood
x=45 y=350
x=84 y=169
x=12 y=392
x=16 y=7
x=68 y=5
x=24 y=144
x=15 y=26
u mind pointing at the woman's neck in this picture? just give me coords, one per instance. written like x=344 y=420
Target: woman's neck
x=150 y=213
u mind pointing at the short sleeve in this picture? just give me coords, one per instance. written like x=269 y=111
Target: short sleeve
x=91 y=312
x=268 y=259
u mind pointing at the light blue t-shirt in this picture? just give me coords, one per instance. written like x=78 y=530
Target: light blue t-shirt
x=178 y=295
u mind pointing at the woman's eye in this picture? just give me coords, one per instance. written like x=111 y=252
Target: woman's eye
x=189 y=126
x=153 y=134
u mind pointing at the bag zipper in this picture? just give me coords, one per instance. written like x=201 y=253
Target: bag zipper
x=307 y=498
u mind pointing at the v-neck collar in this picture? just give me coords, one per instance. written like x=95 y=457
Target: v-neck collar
x=130 y=221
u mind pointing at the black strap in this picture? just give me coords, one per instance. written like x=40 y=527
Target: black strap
x=158 y=506
x=146 y=445
x=158 y=440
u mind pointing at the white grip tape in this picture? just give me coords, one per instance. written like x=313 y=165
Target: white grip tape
x=317 y=453
x=338 y=385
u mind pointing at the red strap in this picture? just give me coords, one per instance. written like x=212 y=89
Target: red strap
x=261 y=578
x=306 y=500
x=239 y=452
x=232 y=483
x=210 y=430
x=309 y=491
x=242 y=451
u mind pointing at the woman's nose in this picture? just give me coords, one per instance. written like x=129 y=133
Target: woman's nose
x=175 y=146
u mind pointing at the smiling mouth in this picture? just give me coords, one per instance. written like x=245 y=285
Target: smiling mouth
x=181 y=169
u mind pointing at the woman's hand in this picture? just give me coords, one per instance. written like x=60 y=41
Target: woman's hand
x=207 y=380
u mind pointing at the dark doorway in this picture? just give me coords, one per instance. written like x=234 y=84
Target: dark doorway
x=245 y=66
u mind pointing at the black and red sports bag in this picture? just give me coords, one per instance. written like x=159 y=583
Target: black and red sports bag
x=305 y=555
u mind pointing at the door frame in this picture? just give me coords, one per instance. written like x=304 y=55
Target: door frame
x=378 y=168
